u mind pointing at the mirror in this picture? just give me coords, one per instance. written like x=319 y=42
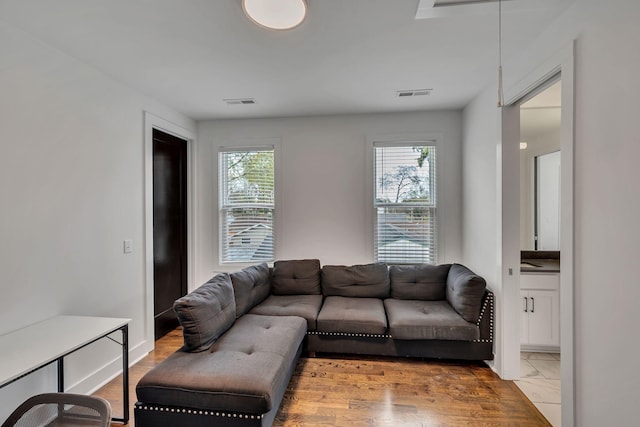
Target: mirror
x=547 y=202
x=539 y=170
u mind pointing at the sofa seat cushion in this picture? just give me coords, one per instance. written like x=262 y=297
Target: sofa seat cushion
x=352 y=315
x=427 y=320
x=242 y=372
x=305 y=306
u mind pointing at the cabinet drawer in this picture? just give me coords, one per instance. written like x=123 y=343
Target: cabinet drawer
x=549 y=281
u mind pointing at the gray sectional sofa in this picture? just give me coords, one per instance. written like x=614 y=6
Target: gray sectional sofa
x=244 y=332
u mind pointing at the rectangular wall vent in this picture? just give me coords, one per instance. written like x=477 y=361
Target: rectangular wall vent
x=240 y=101
x=415 y=92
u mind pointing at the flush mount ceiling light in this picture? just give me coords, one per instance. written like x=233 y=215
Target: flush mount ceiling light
x=276 y=14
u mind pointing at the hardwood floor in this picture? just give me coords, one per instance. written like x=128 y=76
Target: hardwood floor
x=331 y=390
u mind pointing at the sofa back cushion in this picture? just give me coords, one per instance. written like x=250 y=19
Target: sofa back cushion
x=423 y=282
x=465 y=290
x=251 y=286
x=206 y=313
x=363 y=281
x=296 y=277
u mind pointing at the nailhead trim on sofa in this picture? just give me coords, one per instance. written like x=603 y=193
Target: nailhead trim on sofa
x=199 y=412
x=345 y=334
x=488 y=302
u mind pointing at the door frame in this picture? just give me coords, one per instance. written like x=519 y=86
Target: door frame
x=562 y=62
x=152 y=122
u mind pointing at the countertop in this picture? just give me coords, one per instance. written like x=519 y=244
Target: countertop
x=540 y=262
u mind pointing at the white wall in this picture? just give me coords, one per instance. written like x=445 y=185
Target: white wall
x=325 y=208
x=481 y=203
x=480 y=186
x=71 y=188
x=607 y=208
x=607 y=211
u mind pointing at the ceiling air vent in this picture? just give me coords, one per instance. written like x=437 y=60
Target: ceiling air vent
x=428 y=9
x=240 y=101
x=415 y=92
x=441 y=3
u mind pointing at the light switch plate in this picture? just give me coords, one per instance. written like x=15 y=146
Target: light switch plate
x=128 y=246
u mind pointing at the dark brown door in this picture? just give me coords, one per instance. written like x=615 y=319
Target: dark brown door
x=169 y=228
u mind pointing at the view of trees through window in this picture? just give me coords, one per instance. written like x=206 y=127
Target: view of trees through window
x=247 y=190
x=405 y=202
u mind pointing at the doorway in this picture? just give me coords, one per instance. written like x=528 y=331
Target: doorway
x=540 y=182
x=170 y=263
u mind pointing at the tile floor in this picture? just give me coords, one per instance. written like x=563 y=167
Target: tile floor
x=540 y=382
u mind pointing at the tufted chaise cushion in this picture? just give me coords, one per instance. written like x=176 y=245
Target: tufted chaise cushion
x=206 y=313
x=419 y=282
x=250 y=286
x=296 y=277
x=363 y=281
x=242 y=372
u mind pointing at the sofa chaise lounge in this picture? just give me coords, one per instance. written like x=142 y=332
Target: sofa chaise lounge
x=244 y=332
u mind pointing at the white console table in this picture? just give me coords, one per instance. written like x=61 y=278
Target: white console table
x=33 y=347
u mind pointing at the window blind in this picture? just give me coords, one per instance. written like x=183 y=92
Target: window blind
x=405 y=203
x=247 y=188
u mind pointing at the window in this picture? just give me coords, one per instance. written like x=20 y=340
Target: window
x=405 y=203
x=246 y=192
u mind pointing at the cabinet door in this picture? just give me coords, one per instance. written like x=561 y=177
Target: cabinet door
x=543 y=313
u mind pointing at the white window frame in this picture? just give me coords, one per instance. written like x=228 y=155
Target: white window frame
x=430 y=140
x=222 y=208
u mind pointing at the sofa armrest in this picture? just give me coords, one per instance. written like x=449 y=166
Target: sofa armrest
x=485 y=320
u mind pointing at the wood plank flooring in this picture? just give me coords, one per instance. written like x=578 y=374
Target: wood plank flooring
x=331 y=390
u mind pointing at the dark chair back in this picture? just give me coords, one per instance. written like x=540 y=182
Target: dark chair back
x=61 y=409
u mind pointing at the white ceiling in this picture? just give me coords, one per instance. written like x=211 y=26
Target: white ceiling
x=349 y=56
